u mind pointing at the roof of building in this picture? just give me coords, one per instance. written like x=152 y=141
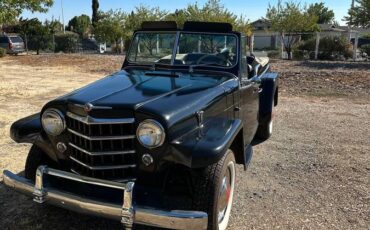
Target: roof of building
x=335 y=28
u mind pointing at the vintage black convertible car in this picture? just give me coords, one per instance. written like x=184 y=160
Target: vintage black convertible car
x=156 y=143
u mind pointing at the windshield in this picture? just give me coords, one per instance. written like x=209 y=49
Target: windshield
x=192 y=49
x=16 y=39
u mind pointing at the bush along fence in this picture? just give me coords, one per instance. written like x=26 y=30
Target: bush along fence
x=67 y=42
x=304 y=46
x=313 y=46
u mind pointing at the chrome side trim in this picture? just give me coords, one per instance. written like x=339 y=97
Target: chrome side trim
x=102 y=153
x=85 y=180
x=102 y=167
x=92 y=106
x=102 y=138
x=125 y=180
x=75 y=172
x=97 y=121
x=175 y=219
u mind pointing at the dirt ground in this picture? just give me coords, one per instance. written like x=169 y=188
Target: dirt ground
x=314 y=172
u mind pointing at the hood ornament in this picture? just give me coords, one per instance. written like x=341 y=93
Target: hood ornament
x=88 y=107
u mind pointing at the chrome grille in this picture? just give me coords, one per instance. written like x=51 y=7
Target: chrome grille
x=102 y=148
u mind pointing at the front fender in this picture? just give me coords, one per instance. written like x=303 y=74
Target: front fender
x=26 y=130
x=29 y=130
x=206 y=145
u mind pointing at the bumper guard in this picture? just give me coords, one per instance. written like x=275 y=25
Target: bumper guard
x=127 y=213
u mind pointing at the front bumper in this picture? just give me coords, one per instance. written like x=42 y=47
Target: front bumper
x=127 y=213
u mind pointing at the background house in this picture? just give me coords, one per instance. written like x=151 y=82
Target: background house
x=263 y=37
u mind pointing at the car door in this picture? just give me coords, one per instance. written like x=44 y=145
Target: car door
x=249 y=100
x=4 y=43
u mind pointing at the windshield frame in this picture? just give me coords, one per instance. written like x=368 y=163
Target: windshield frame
x=178 y=33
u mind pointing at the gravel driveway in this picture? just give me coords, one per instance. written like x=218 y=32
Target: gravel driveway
x=314 y=173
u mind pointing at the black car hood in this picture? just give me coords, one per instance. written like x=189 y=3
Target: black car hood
x=159 y=94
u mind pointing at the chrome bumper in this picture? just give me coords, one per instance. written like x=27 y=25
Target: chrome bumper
x=127 y=213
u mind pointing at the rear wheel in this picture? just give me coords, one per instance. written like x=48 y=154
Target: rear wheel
x=35 y=158
x=214 y=189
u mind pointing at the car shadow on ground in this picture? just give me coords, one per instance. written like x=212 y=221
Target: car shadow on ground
x=44 y=216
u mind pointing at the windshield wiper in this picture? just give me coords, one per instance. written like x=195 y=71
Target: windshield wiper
x=191 y=67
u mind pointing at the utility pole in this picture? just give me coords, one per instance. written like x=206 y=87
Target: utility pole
x=64 y=28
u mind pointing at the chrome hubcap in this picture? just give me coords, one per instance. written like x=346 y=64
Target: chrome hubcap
x=225 y=193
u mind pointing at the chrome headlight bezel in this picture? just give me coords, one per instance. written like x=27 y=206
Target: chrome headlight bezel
x=155 y=126
x=59 y=122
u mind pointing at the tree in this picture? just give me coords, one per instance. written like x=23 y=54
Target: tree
x=359 y=15
x=114 y=25
x=11 y=9
x=95 y=12
x=38 y=36
x=243 y=25
x=80 y=24
x=211 y=11
x=111 y=28
x=143 y=13
x=324 y=14
x=290 y=20
x=54 y=26
x=179 y=16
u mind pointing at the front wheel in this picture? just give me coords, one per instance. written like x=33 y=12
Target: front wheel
x=35 y=158
x=214 y=189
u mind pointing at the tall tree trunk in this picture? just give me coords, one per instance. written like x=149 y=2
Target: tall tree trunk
x=288 y=50
x=95 y=12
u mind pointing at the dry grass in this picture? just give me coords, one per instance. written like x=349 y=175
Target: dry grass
x=314 y=173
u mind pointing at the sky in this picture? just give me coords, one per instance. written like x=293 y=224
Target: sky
x=252 y=10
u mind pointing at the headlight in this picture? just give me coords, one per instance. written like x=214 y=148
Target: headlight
x=53 y=122
x=150 y=133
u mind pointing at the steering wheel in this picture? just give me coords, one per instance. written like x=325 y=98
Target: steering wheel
x=221 y=60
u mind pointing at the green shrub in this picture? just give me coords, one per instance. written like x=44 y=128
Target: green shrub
x=2 y=52
x=39 y=42
x=67 y=43
x=273 y=54
x=299 y=54
x=366 y=49
x=330 y=48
